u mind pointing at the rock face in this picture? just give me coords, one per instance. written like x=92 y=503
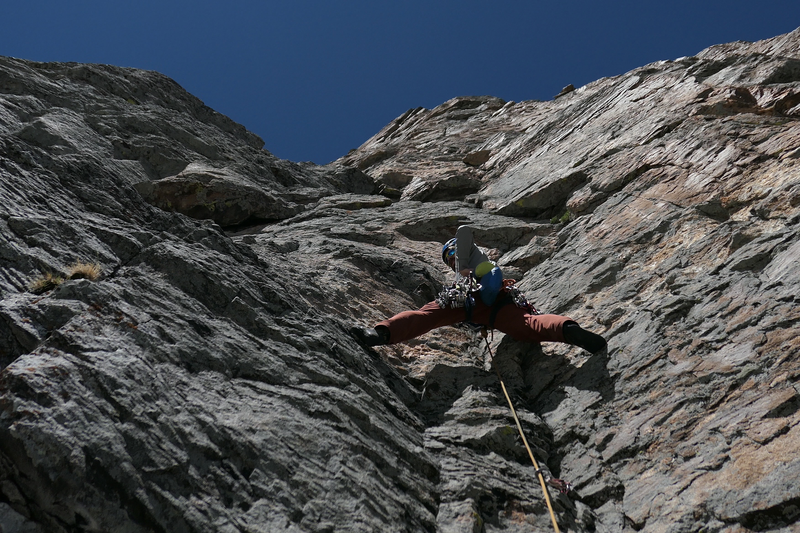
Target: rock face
x=206 y=380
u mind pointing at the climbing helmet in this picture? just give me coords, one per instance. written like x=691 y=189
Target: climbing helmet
x=449 y=253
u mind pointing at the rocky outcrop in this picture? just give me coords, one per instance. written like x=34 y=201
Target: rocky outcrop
x=206 y=381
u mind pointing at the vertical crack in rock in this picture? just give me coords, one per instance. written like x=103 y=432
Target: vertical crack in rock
x=206 y=380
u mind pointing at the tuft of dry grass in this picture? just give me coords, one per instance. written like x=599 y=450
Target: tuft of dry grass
x=81 y=270
x=45 y=282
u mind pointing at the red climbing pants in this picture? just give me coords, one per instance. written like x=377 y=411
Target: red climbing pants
x=510 y=319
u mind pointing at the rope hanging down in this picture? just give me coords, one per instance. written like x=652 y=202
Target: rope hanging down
x=563 y=486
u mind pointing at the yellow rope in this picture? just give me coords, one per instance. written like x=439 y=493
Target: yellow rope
x=524 y=440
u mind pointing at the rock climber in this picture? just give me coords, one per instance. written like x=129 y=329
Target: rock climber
x=493 y=307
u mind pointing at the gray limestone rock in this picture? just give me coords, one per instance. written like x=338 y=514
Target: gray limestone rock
x=205 y=380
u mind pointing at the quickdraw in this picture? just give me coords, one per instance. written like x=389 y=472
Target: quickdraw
x=460 y=294
x=510 y=287
x=564 y=487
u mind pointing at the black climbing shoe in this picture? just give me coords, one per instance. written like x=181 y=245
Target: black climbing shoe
x=377 y=336
x=591 y=342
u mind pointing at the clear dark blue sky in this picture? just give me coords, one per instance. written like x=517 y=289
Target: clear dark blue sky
x=315 y=78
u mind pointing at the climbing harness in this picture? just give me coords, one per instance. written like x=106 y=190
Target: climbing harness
x=463 y=290
x=510 y=294
x=544 y=478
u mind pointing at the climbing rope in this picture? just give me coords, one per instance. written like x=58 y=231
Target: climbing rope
x=544 y=478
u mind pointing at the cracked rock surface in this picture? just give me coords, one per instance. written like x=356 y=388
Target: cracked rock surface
x=206 y=380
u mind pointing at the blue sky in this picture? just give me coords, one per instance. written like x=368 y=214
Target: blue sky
x=317 y=78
